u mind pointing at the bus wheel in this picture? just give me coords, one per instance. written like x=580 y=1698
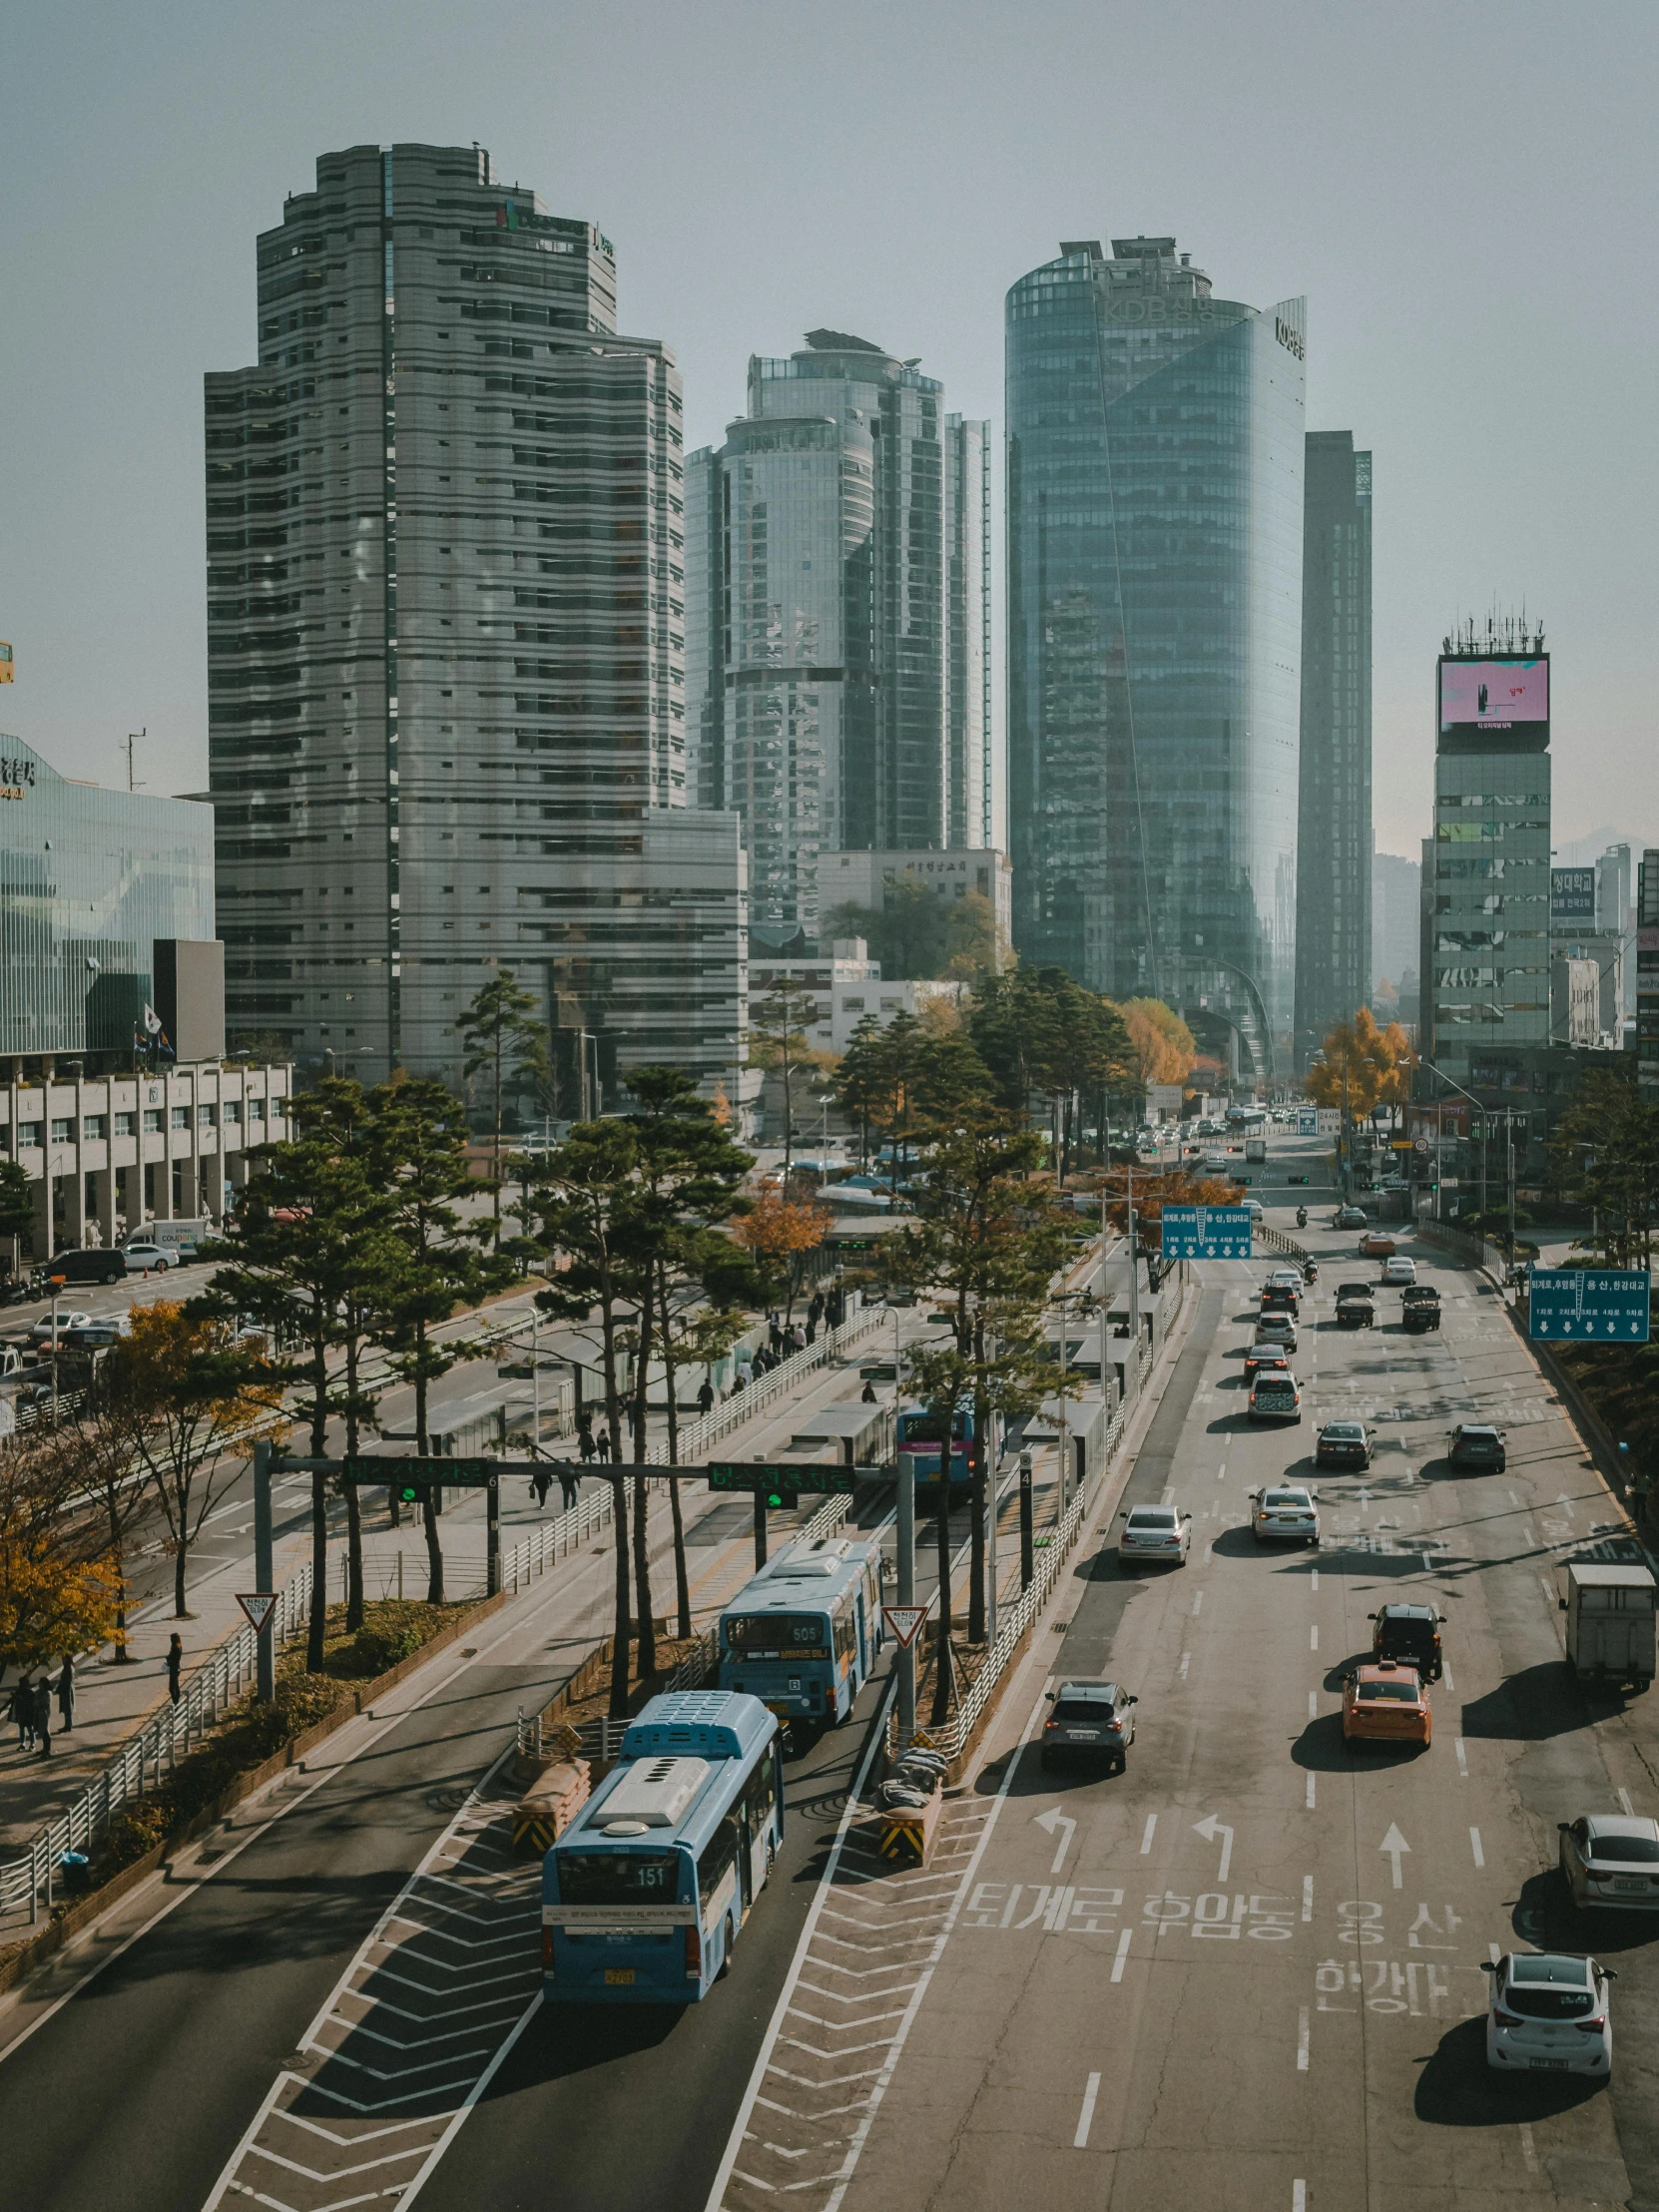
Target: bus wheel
x=726 y=1951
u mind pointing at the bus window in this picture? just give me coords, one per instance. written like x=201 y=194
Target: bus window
x=618 y=1878
x=847 y=1635
x=761 y=1796
x=777 y=1636
x=718 y=1856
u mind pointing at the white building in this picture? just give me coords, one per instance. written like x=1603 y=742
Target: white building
x=849 y=989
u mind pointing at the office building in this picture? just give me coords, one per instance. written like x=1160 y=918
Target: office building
x=838 y=620
x=1395 y=910
x=866 y=878
x=445 y=571
x=1647 y=975
x=1487 y=887
x=1333 y=833
x=1155 y=520
x=1616 y=914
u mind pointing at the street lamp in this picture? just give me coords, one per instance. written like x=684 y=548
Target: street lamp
x=1510 y=1148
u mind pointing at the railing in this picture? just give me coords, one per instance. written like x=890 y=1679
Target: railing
x=1477 y=1252
x=1277 y=1241
x=156 y=1748
x=741 y=1405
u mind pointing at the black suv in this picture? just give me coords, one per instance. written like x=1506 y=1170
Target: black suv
x=1409 y=1634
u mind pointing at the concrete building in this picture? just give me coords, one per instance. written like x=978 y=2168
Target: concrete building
x=849 y=989
x=445 y=577
x=863 y=879
x=1647 y=975
x=1333 y=827
x=838 y=620
x=1155 y=520
x=1574 y=999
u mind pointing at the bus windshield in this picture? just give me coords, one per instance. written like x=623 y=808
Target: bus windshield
x=779 y=1635
x=618 y=1877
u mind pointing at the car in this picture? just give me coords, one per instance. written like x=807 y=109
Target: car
x=1385 y=1703
x=1549 y=2013
x=1277 y=1329
x=1286 y=1512
x=41 y=1332
x=1273 y=1396
x=1256 y=1210
x=1265 y=1356
x=1379 y=1245
x=93 y=1263
x=98 y=1333
x=1612 y=1859
x=1278 y=1297
x=1285 y=1278
x=1477 y=1445
x=1400 y=1273
x=1089 y=1720
x=1411 y=1636
x=1342 y=1444
x=1162 y=1533
x=145 y=1257
x=1350 y=1216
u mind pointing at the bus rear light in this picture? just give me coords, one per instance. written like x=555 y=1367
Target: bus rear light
x=694 y=1955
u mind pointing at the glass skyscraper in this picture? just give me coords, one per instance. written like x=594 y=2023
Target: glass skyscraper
x=1155 y=516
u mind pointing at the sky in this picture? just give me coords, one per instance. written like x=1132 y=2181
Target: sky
x=1463 y=196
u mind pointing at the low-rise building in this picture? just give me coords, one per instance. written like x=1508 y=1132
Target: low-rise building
x=848 y=988
x=863 y=878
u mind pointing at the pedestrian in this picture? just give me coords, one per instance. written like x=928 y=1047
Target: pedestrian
x=776 y=1332
x=603 y=1446
x=815 y=1312
x=22 y=1710
x=706 y=1398
x=867 y=1395
x=584 y=1435
x=568 y=1486
x=43 y=1715
x=746 y=1373
x=175 y=1661
x=811 y=1327
x=798 y=1338
x=66 y=1692
x=541 y=1482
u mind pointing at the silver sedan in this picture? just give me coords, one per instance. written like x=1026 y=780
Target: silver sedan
x=1161 y=1533
x=1612 y=1859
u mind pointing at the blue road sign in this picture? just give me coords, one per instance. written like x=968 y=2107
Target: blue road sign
x=1205 y=1233
x=1307 y=1121
x=1584 y=1303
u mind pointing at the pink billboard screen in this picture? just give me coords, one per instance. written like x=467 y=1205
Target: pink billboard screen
x=1494 y=694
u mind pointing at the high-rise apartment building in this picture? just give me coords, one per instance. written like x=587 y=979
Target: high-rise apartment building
x=1155 y=519
x=445 y=575
x=1486 y=888
x=838 y=620
x=1333 y=833
x=1647 y=975
x=1395 y=910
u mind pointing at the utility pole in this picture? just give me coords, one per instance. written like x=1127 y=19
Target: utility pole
x=132 y=738
x=907 y=1595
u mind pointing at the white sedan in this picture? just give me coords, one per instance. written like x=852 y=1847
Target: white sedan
x=1161 y=1533
x=1400 y=1272
x=1286 y=1512
x=1549 y=2014
x=1277 y=1329
x=1612 y=1859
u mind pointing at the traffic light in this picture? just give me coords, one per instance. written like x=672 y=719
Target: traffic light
x=408 y=1494
x=776 y=1500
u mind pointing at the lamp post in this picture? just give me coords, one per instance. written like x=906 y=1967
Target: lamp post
x=1473 y=1101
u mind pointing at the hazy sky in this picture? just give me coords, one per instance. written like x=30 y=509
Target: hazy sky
x=1464 y=193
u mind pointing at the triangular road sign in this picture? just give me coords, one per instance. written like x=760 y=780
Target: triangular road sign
x=257 y=1606
x=904 y=1621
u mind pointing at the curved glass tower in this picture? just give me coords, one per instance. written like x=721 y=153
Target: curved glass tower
x=1155 y=513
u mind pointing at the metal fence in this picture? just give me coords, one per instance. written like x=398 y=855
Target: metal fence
x=741 y=1405
x=1277 y=1241
x=149 y=1755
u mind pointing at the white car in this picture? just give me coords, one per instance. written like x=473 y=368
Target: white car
x=1286 y=1512
x=1549 y=2014
x=147 y=1256
x=41 y=1332
x=1162 y=1533
x=1612 y=1859
x=1400 y=1272
x=1277 y=1329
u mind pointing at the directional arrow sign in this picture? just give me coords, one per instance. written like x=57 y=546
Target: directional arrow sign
x=904 y=1621
x=1394 y=1844
x=1212 y=1828
x=257 y=1604
x=1053 y=1819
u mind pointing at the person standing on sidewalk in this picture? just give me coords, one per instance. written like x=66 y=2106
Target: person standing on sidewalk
x=175 y=1661
x=22 y=1710
x=568 y=1483
x=66 y=1692
x=584 y=1435
x=706 y=1398
x=43 y=1715
x=541 y=1482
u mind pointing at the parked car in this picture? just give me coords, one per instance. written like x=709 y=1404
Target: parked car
x=1385 y=1703
x=41 y=1332
x=152 y=1258
x=1273 y=1396
x=1612 y=1859
x=1411 y=1636
x=1549 y=2014
x=1400 y=1273
x=98 y=1333
x=1477 y=1445
x=1160 y=1534
x=1286 y=1512
x=1379 y=1245
x=1342 y=1444
x=89 y=1264
x=1089 y=1720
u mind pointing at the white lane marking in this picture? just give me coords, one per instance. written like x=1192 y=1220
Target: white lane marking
x=1085 y=2119
x=1124 y=1941
x=1462 y=1758
x=1146 y=1833
x=1549 y=1594
x=1313 y=1705
x=1446 y=1672
x=1299 y=2196
x=1527 y=2151
x=1625 y=1805
x=1210 y=1828
x=1198 y=1603
x=1054 y=1821
x=1427 y=1564
x=1302 y=2041
x=1221 y=1472
x=1316 y=1579
x=1393 y=1846
x=1307 y=1899
x=1186 y=1662
x=1314 y=1638
x=1310 y=1789
x=1169 y=1492
x=1475 y=1845
x=1514 y=1497
x=1494 y=1954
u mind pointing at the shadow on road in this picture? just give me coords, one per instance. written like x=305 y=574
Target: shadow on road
x=1546 y=1919
x=1321 y=1747
x=1459 y=2089
x=1530 y=1707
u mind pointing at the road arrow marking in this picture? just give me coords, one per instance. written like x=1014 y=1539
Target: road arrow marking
x=1052 y=1819
x=1210 y=1829
x=1394 y=1844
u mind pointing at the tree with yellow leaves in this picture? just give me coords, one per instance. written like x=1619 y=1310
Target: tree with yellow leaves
x=778 y=1230
x=1363 y=1066
x=1161 y=1046
x=57 y=1595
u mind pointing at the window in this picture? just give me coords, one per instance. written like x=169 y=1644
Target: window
x=123 y=1124
x=93 y=1125
x=716 y=1858
x=151 y=1121
x=179 y=1118
x=28 y=1136
x=63 y=1129
x=231 y=1113
x=205 y=1116
x=853 y=1005
x=256 y=1109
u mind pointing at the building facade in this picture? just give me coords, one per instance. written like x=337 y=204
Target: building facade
x=1333 y=827
x=1396 y=918
x=445 y=574
x=863 y=879
x=1647 y=975
x=1155 y=520
x=838 y=620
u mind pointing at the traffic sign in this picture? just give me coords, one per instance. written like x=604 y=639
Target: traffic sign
x=457 y=1474
x=1307 y=1121
x=257 y=1604
x=1585 y=1303
x=904 y=1621
x=1206 y=1231
x=784 y=1482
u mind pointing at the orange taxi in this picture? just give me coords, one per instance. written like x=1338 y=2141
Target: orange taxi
x=1385 y=1703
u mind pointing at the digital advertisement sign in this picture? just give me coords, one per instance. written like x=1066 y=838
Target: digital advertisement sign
x=1489 y=701
x=1572 y=896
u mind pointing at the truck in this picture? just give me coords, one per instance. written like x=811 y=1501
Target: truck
x=199 y=1231
x=1421 y=1308
x=1610 y=1614
x=1255 y=1151
x=1356 y=1306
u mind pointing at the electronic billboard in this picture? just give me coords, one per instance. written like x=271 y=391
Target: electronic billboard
x=1497 y=705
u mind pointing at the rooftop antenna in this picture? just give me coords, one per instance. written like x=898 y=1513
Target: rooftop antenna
x=132 y=738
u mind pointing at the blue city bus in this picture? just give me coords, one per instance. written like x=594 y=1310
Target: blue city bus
x=643 y=1897
x=803 y=1634
x=918 y=1441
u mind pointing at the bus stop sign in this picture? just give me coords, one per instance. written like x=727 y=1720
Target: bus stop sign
x=1205 y=1233
x=783 y=1483
x=1588 y=1302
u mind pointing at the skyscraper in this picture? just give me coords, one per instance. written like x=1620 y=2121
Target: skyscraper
x=838 y=619
x=1334 y=834
x=1155 y=474
x=446 y=718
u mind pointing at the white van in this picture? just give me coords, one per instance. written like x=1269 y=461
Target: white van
x=174 y=1232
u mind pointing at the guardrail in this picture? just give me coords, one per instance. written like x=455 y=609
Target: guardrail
x=154 y=1748
x=1277 y=1241
x=741 y=1405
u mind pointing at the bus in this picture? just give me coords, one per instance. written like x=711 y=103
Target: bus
x=642 y=1897
x=803 y=1634
x=918 y=1441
